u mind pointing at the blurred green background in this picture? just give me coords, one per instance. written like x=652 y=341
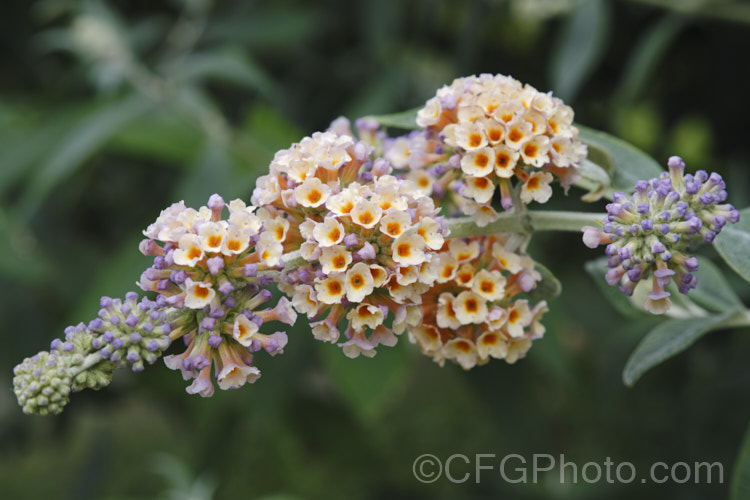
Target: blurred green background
x=111 y=111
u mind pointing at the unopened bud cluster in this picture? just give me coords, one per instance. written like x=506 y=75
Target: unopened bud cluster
x=652 y=233
x=125 y=333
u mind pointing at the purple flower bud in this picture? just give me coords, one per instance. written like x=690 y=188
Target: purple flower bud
x=647 y=225
x=162 y=285
x=178 y=277
x=706 y=198
x=367 y=252
x=214 y=341
x=634 y=274
x=381 y=167
x=455 y=162
x=200 y=362
x=160 y=262
x=147 y=327
x=715 y=180
x=215 y=202
x=733 y=216
x=68 y=346
x=215 y=264
x=643 y=208
x=114 y=320
x=265 y=280
x=304 y=274
x=265 y=295
x=131 y=320
x=675 y=162
x=208 y=323
x=105 y=302
x=614 y=276
x=691 y=264
x=663 y=190
x=251 y=270
x=118 y=343
x=672 y=197
x=133 y=357
x=351 y=240
x=657 y=247
x=614 y=209
x=230 y=302
x=365 y=177
x=226 y=288
x=135 y=337
x=152 y=345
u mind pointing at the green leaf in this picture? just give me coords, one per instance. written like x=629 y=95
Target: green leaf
x=647 y=54
x=85 y=138
x=713 y=291
x=210 y=174
x=25 y=145
x=666 y=340
x=230 y=66
x=625 y=163
x=621 y=302
x=369 y=385
x=548 y=288
x=579 y=47
x=733 y=243
x=593 y=179
x=739 y=488
x=161 y=136
x=405 y=120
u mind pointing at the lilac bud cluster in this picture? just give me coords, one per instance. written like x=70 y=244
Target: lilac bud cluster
x=125 y=333
x=42 y=384
x=129 y=333
x=651 y=233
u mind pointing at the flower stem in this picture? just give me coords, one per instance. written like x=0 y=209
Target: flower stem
x=528 y=222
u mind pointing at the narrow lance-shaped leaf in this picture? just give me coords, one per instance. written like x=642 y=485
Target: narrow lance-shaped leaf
x=406 y=119
x=733 y=244
x=666 y=340
x=90 y=134
x=579 y=47
x=713 y=291
x=625 y=163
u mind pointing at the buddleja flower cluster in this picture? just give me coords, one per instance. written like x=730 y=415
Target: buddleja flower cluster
x=488 y=132
x=652 y=233
x=350 y=225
